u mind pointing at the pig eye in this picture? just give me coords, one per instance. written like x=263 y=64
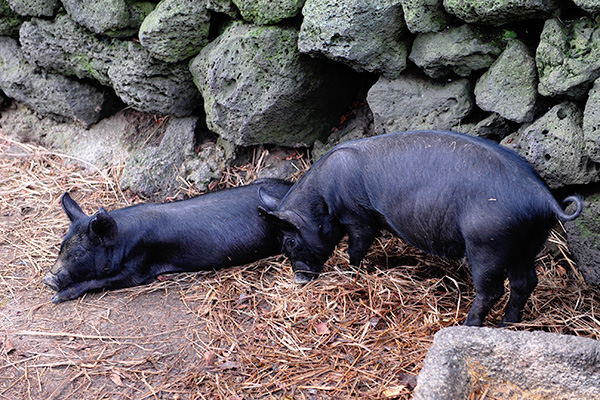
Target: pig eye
x=290 y=244
x=79 y=254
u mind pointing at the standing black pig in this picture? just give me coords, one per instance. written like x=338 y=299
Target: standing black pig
x=131 y=246
x=444 y=192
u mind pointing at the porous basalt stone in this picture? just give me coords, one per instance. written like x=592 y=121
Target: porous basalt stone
x=65 y=47
x=49 y=94
x=35 y=8
x=176 y=30
x=591 y=123
x=258 y=88
x=366 y=35
x=568 y=57
x=583 y=239
x=410 y=102
x=509 y=86
x=499 y=12
x=150 y=85
x=424 y=16
x=116 y=18
x=554 y=145
x=266 y=12
x=461 y=50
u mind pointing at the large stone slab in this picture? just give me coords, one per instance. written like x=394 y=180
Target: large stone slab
x=499 y=12
x=258 y=88
x=411 y=103
x=49 y=94
x=508 y=87
x=568 y=57
x=363 y=34
x=554 y=144
x=583 y=239
x=176 y=30
x=462 y=50
x=509 y=365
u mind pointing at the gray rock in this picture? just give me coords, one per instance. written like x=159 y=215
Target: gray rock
x=509 y=87
x=176 y=30
x=104 y=144
x=583 y=239
x=492 y=127
x=9 y=20
x=266 y=12
x=159 y=171
x=410 y=103
x=35 y=8
x=499 y=12
x=223 y=6
x=591 y=6
x=359 y=126
x=116 y=18
x=568 y=57
x=140 y=80
x=424 y=16
x=363 y=34
x=554 y=144
x=280 y=163
x=49 y=94
x=258 y=88
x=65 y=47
x=591 y=123
x=461 y=50
x=153 y=86
x=509 y=365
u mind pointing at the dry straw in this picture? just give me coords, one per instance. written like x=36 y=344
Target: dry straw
x=350 y=334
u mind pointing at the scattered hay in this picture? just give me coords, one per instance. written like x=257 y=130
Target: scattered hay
x=350 y=334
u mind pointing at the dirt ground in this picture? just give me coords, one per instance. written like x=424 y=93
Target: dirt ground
x=241 y=333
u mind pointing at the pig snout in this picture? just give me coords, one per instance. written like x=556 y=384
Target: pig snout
x=303 y=274
x=58 y=277
x=52 y=280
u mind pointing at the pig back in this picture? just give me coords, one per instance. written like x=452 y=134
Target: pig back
x=430 y=187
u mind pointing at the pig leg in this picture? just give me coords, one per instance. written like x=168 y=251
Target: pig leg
x=359 y=241
x=488 y=278
x=522 y=282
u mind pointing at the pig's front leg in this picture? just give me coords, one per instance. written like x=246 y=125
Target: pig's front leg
x=360 y=238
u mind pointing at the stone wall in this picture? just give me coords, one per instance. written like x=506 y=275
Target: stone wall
x=258 y=72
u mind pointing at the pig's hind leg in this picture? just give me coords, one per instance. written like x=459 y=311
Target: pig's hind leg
x=488 y=278
x=523 y=280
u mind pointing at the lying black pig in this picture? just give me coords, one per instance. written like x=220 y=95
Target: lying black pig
x=131 y=246
x=446 y=193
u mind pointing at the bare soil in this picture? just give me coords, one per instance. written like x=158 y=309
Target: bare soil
x=242 y=333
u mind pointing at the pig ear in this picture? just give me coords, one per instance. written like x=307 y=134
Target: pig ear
x=268 y=201
x=103 y=228
x=71 y=208
x=286 y=219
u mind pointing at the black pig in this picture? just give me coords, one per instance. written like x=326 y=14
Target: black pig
x=131 y=246
x=444 y=192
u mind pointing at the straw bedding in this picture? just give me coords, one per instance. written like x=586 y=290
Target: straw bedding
x=242 y=333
